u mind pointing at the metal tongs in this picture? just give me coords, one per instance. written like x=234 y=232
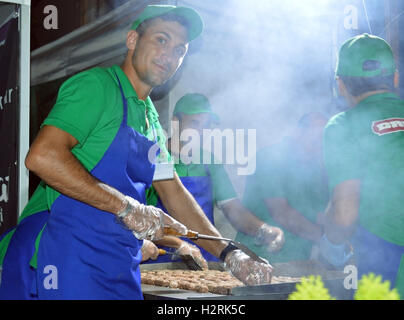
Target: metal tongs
x=193 y=235
x=190 y=262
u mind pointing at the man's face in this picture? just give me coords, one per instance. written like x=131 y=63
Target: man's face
x=197 y=122
x=159 y=52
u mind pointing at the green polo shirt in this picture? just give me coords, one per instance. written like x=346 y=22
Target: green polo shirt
x=89 y=106
x=221 y=185
x=367 y=143
x=281 y=173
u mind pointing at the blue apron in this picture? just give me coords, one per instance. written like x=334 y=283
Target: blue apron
x=84 y=253
x=17 y=274
x=376 y=255
x=201 y=190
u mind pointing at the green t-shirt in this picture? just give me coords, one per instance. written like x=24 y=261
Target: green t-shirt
x=281 y=173
x=221 y=185
x=367 y=143
x=89 y=107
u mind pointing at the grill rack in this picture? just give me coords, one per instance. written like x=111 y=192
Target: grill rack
x=333 y=281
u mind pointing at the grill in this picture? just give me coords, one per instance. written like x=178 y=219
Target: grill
x=333 y=281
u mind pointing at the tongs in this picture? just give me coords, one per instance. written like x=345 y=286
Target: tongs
x=193 y=235
x=190 y=262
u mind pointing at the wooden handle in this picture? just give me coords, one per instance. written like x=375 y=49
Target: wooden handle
x=171 y=232
x=162 y=252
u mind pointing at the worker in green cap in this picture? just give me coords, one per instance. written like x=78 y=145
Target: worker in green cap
x=363 y=152
x=289 y=190
x=207 y=181
x=82 y=232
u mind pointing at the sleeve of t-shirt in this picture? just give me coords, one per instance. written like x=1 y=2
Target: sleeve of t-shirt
x=341 y=152
x=79 y=106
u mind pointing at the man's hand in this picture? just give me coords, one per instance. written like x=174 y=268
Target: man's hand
x=187 y=249
x=273 y=237
x=335 y=254
x=247 y=270
x=182 y=206
x=149 y=251
x=292 y=220
x=147 y=222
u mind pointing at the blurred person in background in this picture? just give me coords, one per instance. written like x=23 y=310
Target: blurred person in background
x=289 y=190
x=208 y=182
x=363 y=152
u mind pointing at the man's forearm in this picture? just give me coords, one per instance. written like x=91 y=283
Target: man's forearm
x=182 y=206
x=60 y=169
x=299 y=225
x=169 y=241
x=335 y=231
x=343 y=211
x=240 y=218
x=292 y=220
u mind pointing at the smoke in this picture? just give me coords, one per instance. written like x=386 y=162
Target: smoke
x=263 y=64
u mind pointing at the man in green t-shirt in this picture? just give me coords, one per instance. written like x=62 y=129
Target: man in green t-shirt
x=364 y=160
x=289 y=190
x=206 y=179
x=93 y=155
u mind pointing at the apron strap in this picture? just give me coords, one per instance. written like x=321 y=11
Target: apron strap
x=125 y=103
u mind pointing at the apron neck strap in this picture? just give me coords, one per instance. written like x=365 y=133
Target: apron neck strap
x=125 y=103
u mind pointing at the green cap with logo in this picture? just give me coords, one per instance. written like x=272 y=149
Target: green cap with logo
x=195 y=103
x=365 y=56
x=194 y=19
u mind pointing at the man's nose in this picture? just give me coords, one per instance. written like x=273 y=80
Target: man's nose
x=169 y=55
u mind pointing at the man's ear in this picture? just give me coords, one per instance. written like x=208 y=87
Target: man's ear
x=396 y=79
x=341 y=87
x=131 y=39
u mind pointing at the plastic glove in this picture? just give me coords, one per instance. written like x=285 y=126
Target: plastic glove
x=187 y=249
x=149 y=251
x=271 y=236
x=147 y=222
x=247 y=270
x=335 y=254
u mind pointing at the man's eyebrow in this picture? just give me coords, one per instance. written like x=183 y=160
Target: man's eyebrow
x=169 y=37
x=164 y=33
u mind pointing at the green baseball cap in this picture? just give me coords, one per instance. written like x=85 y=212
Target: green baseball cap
x=365 y=56
x=194 y=19
x=195 y=103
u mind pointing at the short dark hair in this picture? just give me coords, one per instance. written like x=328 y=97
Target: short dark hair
x=357 y=86
x=141 y=29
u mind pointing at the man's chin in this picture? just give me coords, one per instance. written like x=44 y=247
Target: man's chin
x=157 y=82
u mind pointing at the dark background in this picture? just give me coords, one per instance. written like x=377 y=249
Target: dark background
x=9 y=129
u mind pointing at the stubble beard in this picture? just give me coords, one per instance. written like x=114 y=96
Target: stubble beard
x=148 y=77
